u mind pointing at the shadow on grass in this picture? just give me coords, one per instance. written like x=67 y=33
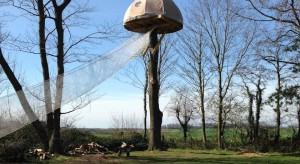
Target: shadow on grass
x=292 y=154
x=223 y=159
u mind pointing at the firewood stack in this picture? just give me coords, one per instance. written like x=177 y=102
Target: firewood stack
x=89 y=148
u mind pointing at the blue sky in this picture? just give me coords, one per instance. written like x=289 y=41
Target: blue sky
x=118 y=97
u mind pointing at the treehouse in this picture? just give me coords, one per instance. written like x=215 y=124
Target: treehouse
x=144 y=15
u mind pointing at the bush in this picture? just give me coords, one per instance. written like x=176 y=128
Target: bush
x=14 y=146
x=13 y=152
x=72 y=138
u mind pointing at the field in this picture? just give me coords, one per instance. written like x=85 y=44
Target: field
x=185 y=156
x=211 y=133
x=177 y=150
x=190 y=155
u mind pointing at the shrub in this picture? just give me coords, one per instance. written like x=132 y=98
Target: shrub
x=14 y=146
x=13 y=152
x=71 y=138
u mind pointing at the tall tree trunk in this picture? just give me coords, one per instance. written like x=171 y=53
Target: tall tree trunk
x=298 y=117
x=145 y=103
x=55 y=147
x=204 y=139
x=220 y=113
x=185 y=128
x=155 y=113
x=201 y=96
x=258 y=108
x=251 y=119
x=44 y=63
x=39 y=128
x=278 y=112
x=250 y=116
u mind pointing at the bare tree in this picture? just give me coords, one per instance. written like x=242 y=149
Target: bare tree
x=183 y=107
x=194 y=68
x=286 y=16
x=155 y=114
x=125 y=124
x=291 y=100
x=228 y=40
x=131 y=75
x=234 y=113
x=255 y=77
x=286 y=11
x=56 y=39
x=276 y=50
x=24 y=102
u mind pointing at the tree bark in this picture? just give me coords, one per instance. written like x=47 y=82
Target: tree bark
x=155 y=113
x=201 y=97
x=145 y=103
x=45 y=68
x=277 y=110
x=185 y=128
x=220 y=113
x=55 y=146
x=298 y=117
x=258 y=108
x=204 y=139
x=250 y=115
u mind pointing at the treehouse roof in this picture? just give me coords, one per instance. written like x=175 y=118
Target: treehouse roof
x=143 y=15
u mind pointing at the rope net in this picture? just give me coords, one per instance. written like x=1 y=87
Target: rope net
x=26 y=106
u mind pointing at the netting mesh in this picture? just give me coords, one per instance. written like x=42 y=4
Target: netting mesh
x=20 y=109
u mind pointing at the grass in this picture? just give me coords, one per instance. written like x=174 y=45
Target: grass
x=186 y=156
x=211 y=133
x=105 y=135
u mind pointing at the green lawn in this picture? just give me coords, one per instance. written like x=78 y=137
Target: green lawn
x=188 y=156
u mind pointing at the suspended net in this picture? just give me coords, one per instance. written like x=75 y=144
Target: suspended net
x=20 y=109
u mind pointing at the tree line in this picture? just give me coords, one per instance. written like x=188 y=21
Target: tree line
x=225 y=58
x=232 y=61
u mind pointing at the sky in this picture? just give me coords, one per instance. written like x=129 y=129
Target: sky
x=117 y=97
x=120 y=98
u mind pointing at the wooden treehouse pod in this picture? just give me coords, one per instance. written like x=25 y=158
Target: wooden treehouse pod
x=144 y=15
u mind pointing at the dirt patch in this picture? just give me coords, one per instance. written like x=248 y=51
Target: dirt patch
x=251 y=154
x=248 y=154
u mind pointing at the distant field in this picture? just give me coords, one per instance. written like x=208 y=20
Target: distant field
x=184 y=157
x=211 y=133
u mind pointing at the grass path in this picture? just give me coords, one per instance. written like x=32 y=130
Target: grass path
x=194 y=156
x=185 y=157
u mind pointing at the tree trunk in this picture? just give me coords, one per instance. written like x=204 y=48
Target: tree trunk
x=39 y=128
x=204 y=139
x=298 y=117
x=45 y=68
x=251 y=120
x=55 y=146
x=201 y=96
x=220 y=113
x=278 y=112
x=184 y=128
x=155 y=113
x=250 y=116
x=258 y=108
x=145 y=103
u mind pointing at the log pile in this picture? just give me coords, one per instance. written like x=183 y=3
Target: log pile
x=89 y=148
